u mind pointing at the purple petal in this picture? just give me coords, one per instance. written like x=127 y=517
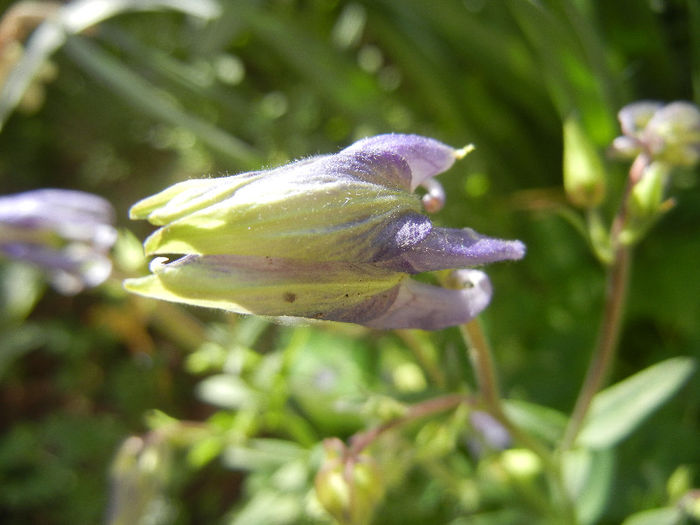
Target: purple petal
x=446 y=248
x=489 y=434
x=74 y=215
x=55 y=204
x=383 y=167
x=425 y=156
x=427 y=307
x=435 y=197
x=400 y=235
x=71 y=269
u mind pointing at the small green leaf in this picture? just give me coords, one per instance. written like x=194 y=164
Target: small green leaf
x=227 y=391
x=261 y=454
x=545 y=423
x=588 y=475
x=661 y=516
x=619 y=409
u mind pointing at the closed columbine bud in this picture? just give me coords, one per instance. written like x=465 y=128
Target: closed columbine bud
x=332 y=237
x=66 y=233
x=584 y=175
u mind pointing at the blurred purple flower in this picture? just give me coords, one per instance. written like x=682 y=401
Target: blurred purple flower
x=332 y=237
x=488 y=434
x=67 y=233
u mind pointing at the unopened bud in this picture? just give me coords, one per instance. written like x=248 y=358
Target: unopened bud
x=646 y=201
x=584 y=175
x=348 y=487
x=647 y=194
x=521 y=464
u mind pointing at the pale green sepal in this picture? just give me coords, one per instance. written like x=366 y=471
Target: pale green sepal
x=186 y=197
x=330 y=221
x=646 y=203
x=264 y=286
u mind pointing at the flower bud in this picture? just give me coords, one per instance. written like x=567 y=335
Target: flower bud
x=646 y=201
x=584 y=174
x=521 y=464
x=66 y=233
x=333 y=237
x=647 y=195
x=348 y=488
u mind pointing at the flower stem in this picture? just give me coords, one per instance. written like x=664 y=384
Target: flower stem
x=606 y=347
x=361 y=440
x=615 y=297
x=481 y=357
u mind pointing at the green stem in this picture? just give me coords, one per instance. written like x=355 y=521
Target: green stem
x=615 y=296
x=361 y=440
x=606 y=347
x=481 y=358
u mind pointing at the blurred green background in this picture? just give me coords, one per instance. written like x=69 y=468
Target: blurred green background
x=148 y=98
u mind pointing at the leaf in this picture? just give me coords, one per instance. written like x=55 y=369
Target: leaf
x=149 y=99
x=542 y=422
x=17 y=342
x=262 y=454
x=227 y=391
x=660 y=516
x=618 y=410
x=74 y=18
x=588 y=476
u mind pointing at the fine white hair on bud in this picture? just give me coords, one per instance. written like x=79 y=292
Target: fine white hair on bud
x=333 y=237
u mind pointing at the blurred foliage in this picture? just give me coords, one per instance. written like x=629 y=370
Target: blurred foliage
x=231 y=411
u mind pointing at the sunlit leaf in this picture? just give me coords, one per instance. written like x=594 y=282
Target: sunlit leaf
x=618 y=410
x=588 y=477
x=543 y=422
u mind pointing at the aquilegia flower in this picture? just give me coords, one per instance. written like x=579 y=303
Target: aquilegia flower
x=332 y=237
x=66 y=233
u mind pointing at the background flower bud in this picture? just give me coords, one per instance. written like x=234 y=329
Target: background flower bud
x=584 y=174
x=348 y=488
x=646 y=201
x=66 y=233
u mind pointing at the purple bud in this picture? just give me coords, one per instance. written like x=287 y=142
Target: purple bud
x=332 y=237
x=488 y=433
